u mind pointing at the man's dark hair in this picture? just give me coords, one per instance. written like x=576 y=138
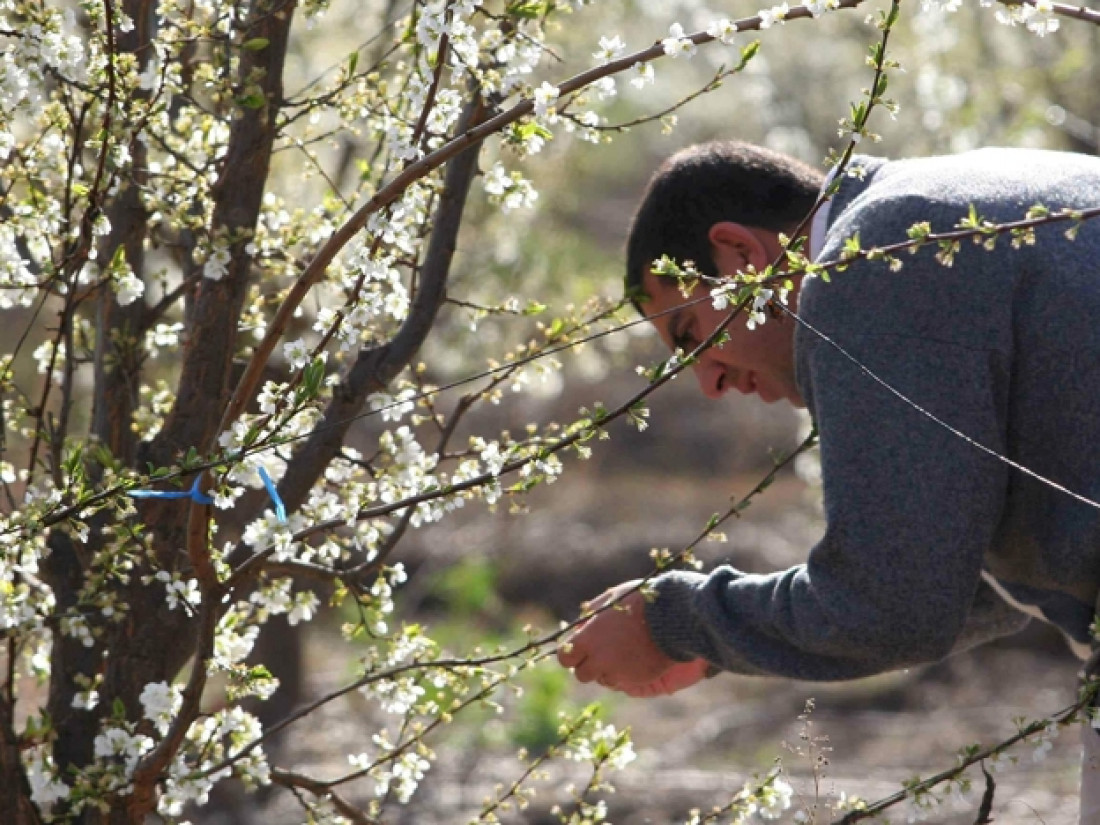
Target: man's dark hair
x=707 y=184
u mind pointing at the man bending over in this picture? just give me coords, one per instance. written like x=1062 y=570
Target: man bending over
x=932 y=544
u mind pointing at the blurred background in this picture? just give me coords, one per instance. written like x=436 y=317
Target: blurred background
x=965 y=81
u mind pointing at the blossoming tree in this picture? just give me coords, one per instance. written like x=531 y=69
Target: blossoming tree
x=210 y=273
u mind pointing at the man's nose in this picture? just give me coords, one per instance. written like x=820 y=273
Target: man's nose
x=711 y=377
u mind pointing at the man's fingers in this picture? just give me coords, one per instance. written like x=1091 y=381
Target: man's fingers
x=570 y=654
x=592 y=605
x=586 y=671
x=678 y=677
x=647 y=690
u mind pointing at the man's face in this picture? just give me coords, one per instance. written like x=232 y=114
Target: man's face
x=758 y=361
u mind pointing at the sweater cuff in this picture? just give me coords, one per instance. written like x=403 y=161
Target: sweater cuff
x=671 y=617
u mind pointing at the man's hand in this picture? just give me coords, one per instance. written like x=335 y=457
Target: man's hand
x=615 y=649
x=681 y=675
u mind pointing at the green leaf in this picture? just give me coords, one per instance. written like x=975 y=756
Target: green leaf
x=251 y=436
x=118 y=259
x=892 y=15
x=256 y=44
x=919 y=231
x=255 y=100
x=353 y=61
x=313 y=375
x=525 y=9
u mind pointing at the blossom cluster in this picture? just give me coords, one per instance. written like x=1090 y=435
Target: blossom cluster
x=1038 y=16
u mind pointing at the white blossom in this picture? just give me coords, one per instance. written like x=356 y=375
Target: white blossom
x=722 y=30
x=604 y=88
x=147 y=80
x=642 y=75
x=402 y=777
x=677 y=44
x=774 y=799
x=297 y=353
x=819 y=7
x=164 y=336
x=128 y=288
x=949 y=6
x=720 y=297
x=756 y=314
x=160 y=702
x=85 y=699
x=305 y=605
x=74 y=625
x=545 y=96
x=509 y=189
x=493 y=458
x=217 y=265
x=776 y=14
x=233 y=643
x=179 y=592
x=610 y=49
x=120 y=744
x=601 y=738
x=42 y=775
x=1040 y=18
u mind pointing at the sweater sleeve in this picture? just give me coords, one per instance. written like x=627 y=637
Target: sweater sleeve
x=910 y=511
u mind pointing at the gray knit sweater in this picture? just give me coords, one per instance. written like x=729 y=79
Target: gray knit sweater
x=924 y=530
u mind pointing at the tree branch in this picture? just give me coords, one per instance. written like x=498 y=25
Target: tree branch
x=204 y=376
x=376 y=367
x=118 y=350
x=290 y=779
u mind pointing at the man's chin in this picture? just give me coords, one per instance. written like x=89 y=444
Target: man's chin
x=769 y=396
x=792 y=398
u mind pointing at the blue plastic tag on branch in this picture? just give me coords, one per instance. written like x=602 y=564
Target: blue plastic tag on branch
x=195 y=494
x=199 y=497
x=280 y=508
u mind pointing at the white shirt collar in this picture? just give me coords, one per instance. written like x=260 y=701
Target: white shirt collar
x=820 y=223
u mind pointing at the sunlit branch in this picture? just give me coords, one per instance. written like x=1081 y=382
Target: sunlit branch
x=1061 y=9
x=713 y=84
x=292 y=779
x=1063 y=717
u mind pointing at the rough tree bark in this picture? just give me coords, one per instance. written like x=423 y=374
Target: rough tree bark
x=152 y=642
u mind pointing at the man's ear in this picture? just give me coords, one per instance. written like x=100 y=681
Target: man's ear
x=736 y=246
